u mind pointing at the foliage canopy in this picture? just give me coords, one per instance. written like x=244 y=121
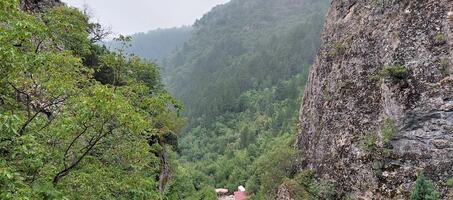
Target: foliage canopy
x=76 y=120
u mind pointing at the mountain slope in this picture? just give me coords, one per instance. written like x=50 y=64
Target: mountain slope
x=243 y=45
x=378 y=107
x=240 y=77
x=157 y=44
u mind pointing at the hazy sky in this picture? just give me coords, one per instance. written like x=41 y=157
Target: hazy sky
x=131 y=16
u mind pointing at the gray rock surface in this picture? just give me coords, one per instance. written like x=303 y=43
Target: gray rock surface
x=37 y=5
x=284 y=193
x=349 y=96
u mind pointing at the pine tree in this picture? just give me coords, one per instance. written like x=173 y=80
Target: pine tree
x=424 y=190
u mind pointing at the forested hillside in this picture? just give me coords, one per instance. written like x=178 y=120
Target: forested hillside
x=240 y=77
x=77 y=121
x=240 y=46
x=155 y=45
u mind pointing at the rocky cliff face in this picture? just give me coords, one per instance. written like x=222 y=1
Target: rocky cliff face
x=378 y=107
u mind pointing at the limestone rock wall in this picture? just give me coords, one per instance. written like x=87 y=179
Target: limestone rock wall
x=351 y=95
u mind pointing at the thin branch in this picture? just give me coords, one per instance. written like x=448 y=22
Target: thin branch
x=27 y=96
x=38 y=110
x=66 y=170
x=89 y=142
x=72 y=144
x=38 y=46
x=30 y=119
x=24 y=126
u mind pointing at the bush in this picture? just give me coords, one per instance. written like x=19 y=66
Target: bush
x=388 y=130
x=369 y=142
x=338 y=49
x=273 y=167
x=439 y=39
x=444 y=63
x=424 y=190
x=207 y=193
x=377 y=167
x=396 y=72
x=450 y=182
x=305 y=186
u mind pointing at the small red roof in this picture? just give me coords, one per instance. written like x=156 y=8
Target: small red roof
x=240 y=195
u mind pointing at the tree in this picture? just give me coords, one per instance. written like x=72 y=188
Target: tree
x=66 y=132
x=424 y=189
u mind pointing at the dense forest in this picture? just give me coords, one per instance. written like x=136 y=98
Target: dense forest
x=240 y=77
x=155 y=45
x=76 y=120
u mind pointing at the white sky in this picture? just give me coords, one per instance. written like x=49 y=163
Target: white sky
x=132 y=16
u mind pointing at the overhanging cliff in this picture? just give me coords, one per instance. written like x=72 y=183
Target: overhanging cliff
x=378 y=107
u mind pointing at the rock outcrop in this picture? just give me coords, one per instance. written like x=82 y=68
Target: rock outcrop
x=378 y=107
x=284 y=193
x=37 y=5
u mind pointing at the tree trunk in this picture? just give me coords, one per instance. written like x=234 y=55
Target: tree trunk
x=164 y=169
